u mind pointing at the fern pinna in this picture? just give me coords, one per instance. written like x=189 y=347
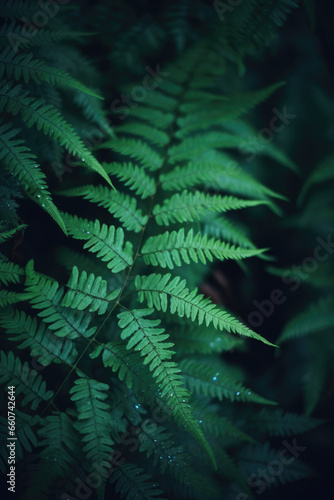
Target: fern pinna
x=136 y=411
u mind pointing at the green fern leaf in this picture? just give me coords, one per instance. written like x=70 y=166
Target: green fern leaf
x=152 y=116
x=156 y=137
x=24 y=66
x=132 y=484
x=8 y=297
x=46 y=296
x=137 y=149
x=48 y=119
x=10 y=272
x=89 y=396
x=122 y=206
x=156 y=289
x=187 y=206
x=204 y=379
x=275 y=423
x=216 y=171
x=134 y=177
x=220 y=112
x=127 y=363
x=41 y=342
x=19 y=160
x=223 y=228
x=59 y=444
x=106 y=242
x=26 y=381
x=169 y=249
x=150 y=341
x=254 y=458
x=318 y=317
x=204 y=340
x=88 y=291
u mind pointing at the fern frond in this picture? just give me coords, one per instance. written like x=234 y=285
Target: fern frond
x=150 y=341
x=191 y=339
x=48 y=119
x=318 y=317
x=24 y=66
x=152 y=116
x=169 y=249
x=93 y=110
x=203 y=379
x=134 y=177
x=156 y=289
x=137 y=149
x=20 y=161
x=120 y=205
x=36 y=337
x=26 y=381
x=8 y=297
x=254 y=458
x=157 y=444
x=217 y=171
x=277 y=423
x=106 y=241
x=93 y=424
x=219 y=112
x=223 y=228
x=88 y=291
x=59 y=444
x=10 y=272
x=13 y=34
x=187 y=206
x=5 y=235
x=218 y=426
x=177 y=22
x=160 y=100
x=132 y=484
x=26 y=437
x=127 y=363
x=46 y=296
x=156 y=137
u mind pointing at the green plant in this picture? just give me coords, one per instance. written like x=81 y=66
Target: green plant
x=159 y=340
x=127 y=376
x=32 y=91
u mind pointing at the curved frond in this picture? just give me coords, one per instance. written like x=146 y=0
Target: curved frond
x=162 y=292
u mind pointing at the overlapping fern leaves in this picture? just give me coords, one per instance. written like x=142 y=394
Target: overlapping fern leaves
x=23 y=76
x=134 y=349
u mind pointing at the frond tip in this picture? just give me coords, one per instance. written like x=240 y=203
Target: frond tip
x=162 y=293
